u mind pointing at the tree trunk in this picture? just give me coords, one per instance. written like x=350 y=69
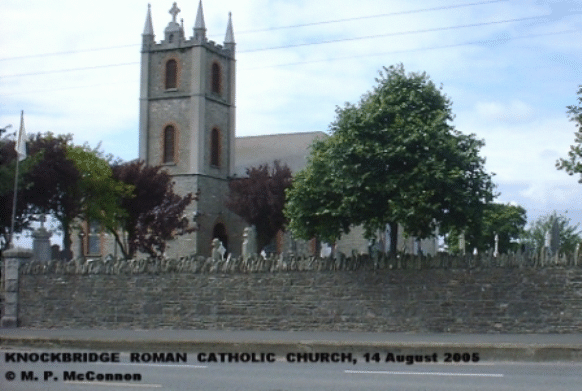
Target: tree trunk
x=119 y=243
x=65 y=223
x=393 y=238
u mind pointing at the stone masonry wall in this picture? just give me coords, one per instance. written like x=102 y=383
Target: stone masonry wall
x=491 y=300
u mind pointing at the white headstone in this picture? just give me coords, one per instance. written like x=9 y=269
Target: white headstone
x=325 y=250
x=462 y=243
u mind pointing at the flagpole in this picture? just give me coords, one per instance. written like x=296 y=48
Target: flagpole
x=16 y=181
x=14 y=204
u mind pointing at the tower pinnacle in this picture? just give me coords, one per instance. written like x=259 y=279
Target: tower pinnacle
x=229 y=37
x=200 y=26
x=148 y=28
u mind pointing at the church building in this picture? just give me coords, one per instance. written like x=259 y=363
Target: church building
x=187 y=124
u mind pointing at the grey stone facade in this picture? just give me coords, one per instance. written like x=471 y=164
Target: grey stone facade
x=199 y=103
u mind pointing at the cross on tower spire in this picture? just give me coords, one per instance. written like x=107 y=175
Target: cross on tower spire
x=174 y=11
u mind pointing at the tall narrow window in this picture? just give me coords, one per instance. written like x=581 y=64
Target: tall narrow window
x=216 y=78
x=215 y=148
x=169 y=143
x=94 y=239
x=171 y=74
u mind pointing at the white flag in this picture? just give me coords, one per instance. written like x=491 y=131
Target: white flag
x=20 y=146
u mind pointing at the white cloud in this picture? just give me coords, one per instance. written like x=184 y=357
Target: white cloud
x=513 y=112
x=553 y=193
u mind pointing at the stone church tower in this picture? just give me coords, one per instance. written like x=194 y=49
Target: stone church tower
x=187 y=125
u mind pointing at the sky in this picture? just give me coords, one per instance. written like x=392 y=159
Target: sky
x=509 y=67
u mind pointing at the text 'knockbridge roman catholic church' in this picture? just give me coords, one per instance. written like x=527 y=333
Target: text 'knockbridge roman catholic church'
x=187 y=124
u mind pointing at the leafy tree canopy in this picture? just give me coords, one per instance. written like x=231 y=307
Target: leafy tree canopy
x=391 y=158
x=573 y=164
x=260 y=198
x=99 y=192
x=505 y=220
x=569 y=235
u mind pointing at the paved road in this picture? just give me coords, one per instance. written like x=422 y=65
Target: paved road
x=282 y=375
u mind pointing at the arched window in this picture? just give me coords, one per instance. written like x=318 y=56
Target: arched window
x=169 y=144
x=171 y=74
x=216 y=78
x=215 y=148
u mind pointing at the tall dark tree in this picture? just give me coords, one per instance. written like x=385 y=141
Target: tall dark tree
x=259 y=199
x=53 y=182
x=393 y=158
x=154 y=213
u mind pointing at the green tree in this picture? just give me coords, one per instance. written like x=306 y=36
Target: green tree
x=392 y=158
x=505 y=220
x=99 y=193
x=569 y=235
x=573 y=164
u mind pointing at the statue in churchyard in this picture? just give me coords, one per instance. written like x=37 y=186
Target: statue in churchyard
x=222 y=251
x=249 y=246
x=215 y=246
x=217 y=253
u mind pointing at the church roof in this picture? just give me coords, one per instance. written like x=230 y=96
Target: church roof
x=289 y=148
